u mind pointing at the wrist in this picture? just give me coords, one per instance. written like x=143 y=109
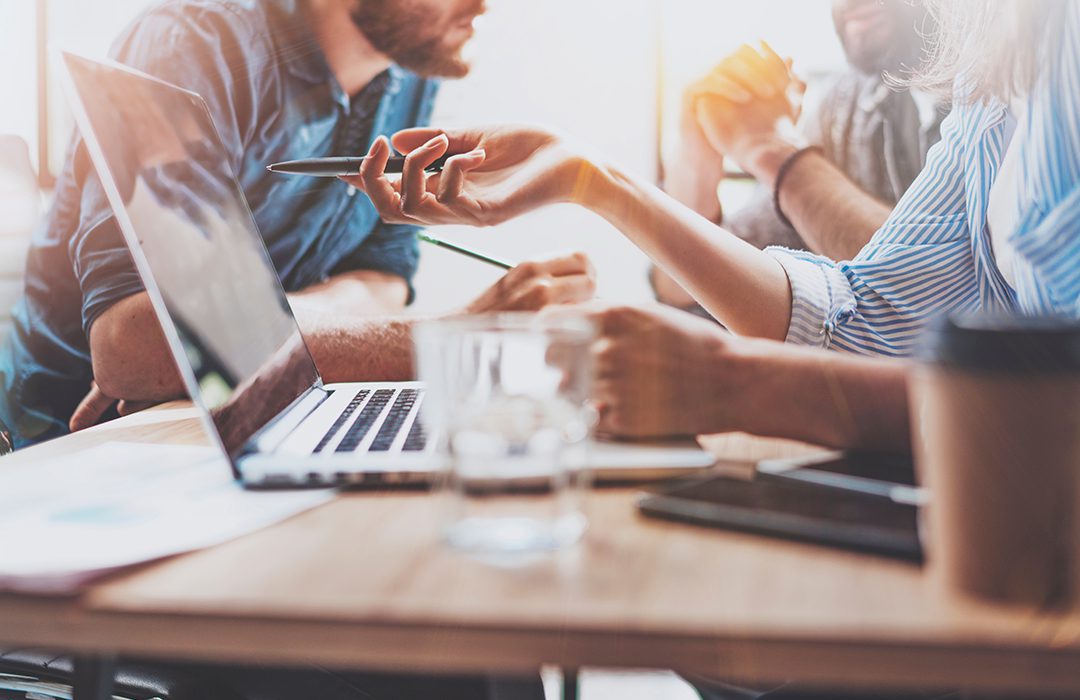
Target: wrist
x=602 y=189
x=764 y=158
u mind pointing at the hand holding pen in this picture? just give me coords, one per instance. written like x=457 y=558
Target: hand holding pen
x=490 y=176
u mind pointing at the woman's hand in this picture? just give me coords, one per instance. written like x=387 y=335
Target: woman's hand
x=494 y=174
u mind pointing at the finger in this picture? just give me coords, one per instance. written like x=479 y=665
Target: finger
x=90 y=410
x=414 y=178
x=605 y=353
x=570 y=264
x=452 y=177
x=747 y=69
x=722 y=86
x=572 y=289
x=615 y=321
x=375 y=184
x=126 y=408
x=459 y=140
x=777 y=66
x=354 y=180
x=608 y=394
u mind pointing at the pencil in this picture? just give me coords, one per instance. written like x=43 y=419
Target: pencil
x=427 y=238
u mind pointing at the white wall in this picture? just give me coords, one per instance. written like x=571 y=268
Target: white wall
x=18 y=81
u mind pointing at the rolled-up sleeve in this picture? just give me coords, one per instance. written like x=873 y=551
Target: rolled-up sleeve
x=918 y=264
x=99 y=256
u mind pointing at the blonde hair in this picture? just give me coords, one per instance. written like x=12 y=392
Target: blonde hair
x=996 y=45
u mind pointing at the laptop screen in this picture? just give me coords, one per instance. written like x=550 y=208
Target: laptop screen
x=193 y=238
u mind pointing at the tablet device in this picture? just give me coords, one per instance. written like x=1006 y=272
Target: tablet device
x=794 y=510
x=886 y=475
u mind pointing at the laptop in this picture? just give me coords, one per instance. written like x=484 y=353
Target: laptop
x=228 y=323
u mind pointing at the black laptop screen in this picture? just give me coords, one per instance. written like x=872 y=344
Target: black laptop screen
x=174 y=192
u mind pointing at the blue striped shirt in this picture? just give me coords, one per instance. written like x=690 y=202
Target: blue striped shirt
x=934 y=253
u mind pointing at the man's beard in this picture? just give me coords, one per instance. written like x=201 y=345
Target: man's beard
x=901 y=55
x=392 y=27
x=904 y=52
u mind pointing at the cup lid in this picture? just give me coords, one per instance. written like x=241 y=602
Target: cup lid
x=1004 y=343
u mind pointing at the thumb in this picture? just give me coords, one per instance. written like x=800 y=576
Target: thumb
x=90 y=410
x=126 y=408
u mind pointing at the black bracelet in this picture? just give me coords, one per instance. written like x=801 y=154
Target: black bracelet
x=782 y=172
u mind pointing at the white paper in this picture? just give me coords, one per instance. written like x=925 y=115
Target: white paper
x=67 y=520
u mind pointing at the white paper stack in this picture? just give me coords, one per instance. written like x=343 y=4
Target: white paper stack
x=66 y=521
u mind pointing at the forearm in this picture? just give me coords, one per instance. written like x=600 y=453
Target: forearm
x=830 y=212
x=744 y=288
x=359 y=292
x=131 y=358
x=832 y=215
x=824 y=398
x=694 y=182
x=355 y=349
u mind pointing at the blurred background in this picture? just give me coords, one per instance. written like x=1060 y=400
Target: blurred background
x=608 y=73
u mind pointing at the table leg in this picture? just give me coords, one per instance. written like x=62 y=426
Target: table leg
x=93 y=677
x=569 y=684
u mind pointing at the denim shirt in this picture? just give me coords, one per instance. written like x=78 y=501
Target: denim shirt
x=272 y=97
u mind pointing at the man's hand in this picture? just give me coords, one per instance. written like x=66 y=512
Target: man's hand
x=660 y=372
x=493 y=175
x=96 y=404
x=533 y=285
x=745 y=111
x=694 y=176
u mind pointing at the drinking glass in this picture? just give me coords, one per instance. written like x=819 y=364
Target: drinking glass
x=507 y=401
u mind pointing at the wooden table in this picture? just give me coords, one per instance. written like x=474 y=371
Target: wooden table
x=363 y=582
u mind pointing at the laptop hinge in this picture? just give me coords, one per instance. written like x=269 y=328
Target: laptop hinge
x=270 y=436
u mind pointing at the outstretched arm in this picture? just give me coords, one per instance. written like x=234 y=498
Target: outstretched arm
x=917 y=265
x=502 y=172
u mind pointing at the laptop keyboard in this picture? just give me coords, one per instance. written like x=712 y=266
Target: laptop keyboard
x=345 y=415
x=359 y=429
x=394 y=420
x=416 y=439
x=391 y=427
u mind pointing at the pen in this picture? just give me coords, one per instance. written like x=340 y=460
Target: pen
x=463 y=251
x=339 y=166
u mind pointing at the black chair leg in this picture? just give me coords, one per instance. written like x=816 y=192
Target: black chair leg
x=93 y=677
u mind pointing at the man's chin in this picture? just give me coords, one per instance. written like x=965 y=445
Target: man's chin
x=451 y=67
